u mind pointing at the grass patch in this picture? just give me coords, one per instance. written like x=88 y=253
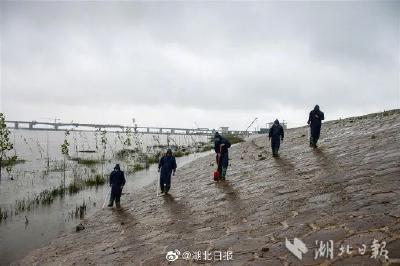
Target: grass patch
x=206 y=148
x=73 y=188
x=89 y=161
x=159 y=146
x=131 y=169
x=3 y=214
x=233 y=139
x=124 y=153
x=138 y=167
x=11 y=162
x=179 y=154
x=153 y=159
x=95 y=181
x=56 y=191
x=47 y=196
x=84 y=161
x=87 y=151
x=56 y=167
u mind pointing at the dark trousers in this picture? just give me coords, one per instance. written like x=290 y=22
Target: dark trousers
x=115 y=195
x=275 y=144
x=165 y=182
x=315 y=131
x=223 y=164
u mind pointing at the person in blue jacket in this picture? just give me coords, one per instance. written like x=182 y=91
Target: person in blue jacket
x=221 y=146
x=166 y=167
x=117 y=183
x=315 y=121
x=276 y=135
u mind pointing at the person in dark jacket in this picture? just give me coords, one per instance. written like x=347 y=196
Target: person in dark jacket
x=117 y=183
x=221 y=146
x=276 y=135
x=166 y=167
x=315 y=120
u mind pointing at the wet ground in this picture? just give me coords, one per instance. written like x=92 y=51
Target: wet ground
x=347 y=191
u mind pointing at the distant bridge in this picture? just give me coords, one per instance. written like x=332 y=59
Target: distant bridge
x=54 y=126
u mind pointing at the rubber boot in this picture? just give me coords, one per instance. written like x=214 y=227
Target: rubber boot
x=118 y=205
x=223 y=173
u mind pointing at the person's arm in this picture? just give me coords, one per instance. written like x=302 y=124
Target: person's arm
x=322 y=117
x=123 y=179
x=221 y=146
x=227 y=143
x=174 y=166
x=111 y=179
x=160 y=163
x=282 y=133
x=270 y=133
x=309 y=118
x=216 y=147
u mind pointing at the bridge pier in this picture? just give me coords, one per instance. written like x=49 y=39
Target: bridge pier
x=16 y=125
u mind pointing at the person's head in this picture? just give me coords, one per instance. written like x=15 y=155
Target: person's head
x=116 y=167
x=316 y=108
x=276 y=122
x=217 y=136
x=169 y=152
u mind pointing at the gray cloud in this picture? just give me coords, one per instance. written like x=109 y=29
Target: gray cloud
x=219 y=58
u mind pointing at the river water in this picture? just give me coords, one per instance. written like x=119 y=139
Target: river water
x=23 y=229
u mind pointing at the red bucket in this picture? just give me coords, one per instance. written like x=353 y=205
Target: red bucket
x=217 y=174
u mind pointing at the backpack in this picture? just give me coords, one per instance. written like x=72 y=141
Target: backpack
x=226 y=142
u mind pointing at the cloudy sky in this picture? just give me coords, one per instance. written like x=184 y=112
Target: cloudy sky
x=209 y=64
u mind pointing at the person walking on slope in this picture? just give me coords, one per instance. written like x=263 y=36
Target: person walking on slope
x=221 y=146
x=315 y=120
x=117 y=183
x=276 y=135
x=166 y=167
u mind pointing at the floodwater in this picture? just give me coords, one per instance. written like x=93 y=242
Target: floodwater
x=24 y=230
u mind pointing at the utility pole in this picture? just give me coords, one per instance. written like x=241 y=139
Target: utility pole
x=247 y=129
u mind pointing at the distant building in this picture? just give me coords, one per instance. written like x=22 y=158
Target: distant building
x=224 y=130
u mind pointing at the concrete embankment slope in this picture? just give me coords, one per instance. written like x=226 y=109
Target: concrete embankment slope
x=346 y=191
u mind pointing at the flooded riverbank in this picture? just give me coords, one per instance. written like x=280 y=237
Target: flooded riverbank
x=31 y=221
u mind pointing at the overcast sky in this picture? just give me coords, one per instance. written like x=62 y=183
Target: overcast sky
x=209 y=64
